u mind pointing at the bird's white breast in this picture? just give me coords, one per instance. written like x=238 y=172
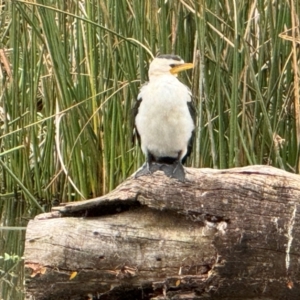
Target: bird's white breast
x=163 y=120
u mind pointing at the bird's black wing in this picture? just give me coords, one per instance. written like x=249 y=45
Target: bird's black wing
x=193 y=112
x=134 y=112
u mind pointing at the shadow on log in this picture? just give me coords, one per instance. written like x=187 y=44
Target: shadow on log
x=222 y=234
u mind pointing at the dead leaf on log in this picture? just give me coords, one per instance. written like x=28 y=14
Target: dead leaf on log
x=36 y=269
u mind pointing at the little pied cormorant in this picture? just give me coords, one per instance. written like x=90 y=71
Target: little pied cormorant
x=165 y=118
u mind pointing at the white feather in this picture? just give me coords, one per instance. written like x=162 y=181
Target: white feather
x=163 y=120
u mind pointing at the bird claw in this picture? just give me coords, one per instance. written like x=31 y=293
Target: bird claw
x=144 y=170
x=175 y=170
x=147 y=169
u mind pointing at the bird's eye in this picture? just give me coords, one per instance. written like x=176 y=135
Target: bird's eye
x=172 y=65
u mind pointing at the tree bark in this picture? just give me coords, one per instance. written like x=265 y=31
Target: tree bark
x=221 y=234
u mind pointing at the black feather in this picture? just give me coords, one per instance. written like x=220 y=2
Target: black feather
x=192 y=110
x=170 y=56
x=134 y=112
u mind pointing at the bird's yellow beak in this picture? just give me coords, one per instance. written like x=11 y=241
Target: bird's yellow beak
x=175 y=70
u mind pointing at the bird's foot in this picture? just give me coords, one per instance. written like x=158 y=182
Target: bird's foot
x=144 y=170
x=175 y=170
x=178 y=171
x=147 y=169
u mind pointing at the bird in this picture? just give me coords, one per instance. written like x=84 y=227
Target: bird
x=165 y=118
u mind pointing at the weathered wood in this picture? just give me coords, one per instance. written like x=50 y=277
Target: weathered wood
x=222 y=234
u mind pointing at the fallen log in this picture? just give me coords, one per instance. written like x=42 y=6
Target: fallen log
x=221 y=234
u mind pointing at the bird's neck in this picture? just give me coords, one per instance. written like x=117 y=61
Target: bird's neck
x=160 y=77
